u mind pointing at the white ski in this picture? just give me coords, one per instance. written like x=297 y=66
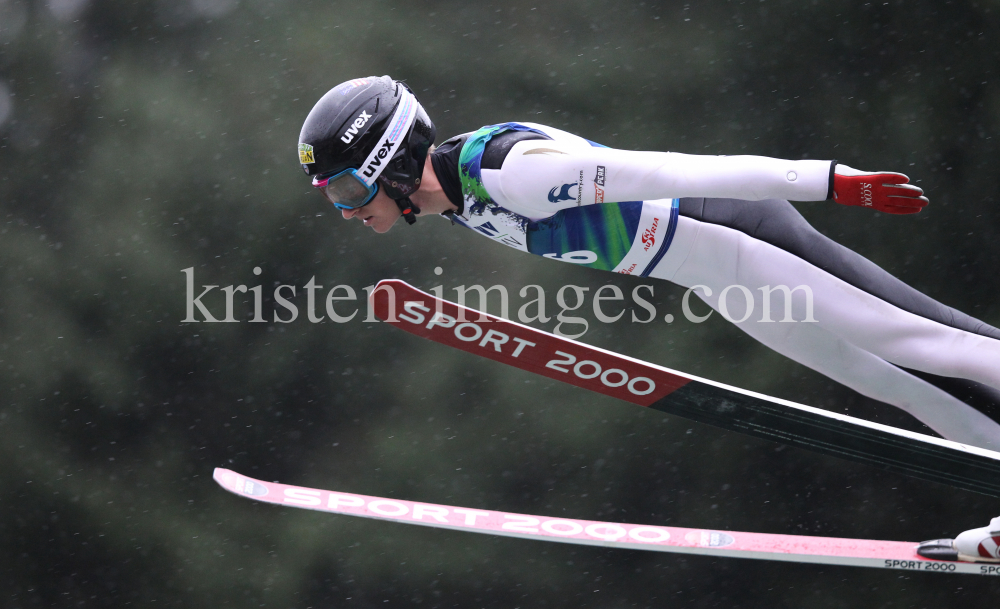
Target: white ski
x=898 y=555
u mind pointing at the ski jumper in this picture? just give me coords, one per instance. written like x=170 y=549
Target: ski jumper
x=710 y=222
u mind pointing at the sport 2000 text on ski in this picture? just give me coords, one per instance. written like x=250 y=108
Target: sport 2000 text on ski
x=560 y=358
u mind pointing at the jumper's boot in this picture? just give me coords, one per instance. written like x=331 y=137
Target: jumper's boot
x=976 y=545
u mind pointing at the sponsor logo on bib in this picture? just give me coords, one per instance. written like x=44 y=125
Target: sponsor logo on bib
x=599 y=184
x=563 y=194
x=649 y=235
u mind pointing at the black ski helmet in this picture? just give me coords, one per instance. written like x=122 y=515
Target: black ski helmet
x=351 y=122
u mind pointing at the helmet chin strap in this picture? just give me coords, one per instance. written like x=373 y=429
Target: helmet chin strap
x=408 y=209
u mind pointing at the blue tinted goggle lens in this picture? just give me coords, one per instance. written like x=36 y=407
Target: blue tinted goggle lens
x=345 y=189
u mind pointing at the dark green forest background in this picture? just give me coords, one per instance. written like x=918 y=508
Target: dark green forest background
x=138 y=139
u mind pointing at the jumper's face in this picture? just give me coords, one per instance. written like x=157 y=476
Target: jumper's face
x=380 y=213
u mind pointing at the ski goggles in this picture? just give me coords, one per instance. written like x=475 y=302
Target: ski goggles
x=346 y=190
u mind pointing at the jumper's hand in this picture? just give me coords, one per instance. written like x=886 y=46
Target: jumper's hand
x=888 y=192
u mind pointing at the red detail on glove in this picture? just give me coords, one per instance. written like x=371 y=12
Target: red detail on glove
x=887 y=192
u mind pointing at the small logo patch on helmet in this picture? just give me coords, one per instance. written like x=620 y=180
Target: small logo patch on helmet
x=347 y=87
x=306 y=154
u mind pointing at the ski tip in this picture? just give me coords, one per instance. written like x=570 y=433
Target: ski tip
x=385 y=283
x=938 y=549
x=225 y=478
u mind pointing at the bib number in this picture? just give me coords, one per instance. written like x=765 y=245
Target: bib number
x=577 y=257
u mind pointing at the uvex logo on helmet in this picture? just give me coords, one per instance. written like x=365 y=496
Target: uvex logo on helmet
x=359 y=122
x=377 y=160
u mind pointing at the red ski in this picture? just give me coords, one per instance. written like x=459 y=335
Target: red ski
x=789 y=548
x=921 y=456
